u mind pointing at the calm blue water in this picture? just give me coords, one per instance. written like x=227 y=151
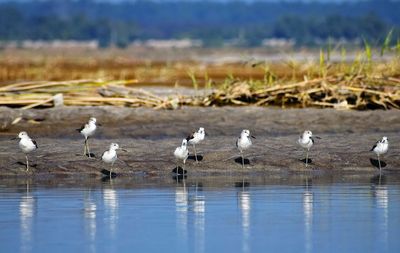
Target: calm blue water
x=177 y=217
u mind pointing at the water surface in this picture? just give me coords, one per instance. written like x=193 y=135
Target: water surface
x=201 y=215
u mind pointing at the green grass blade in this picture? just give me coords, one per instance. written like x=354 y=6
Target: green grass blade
x=386 y=42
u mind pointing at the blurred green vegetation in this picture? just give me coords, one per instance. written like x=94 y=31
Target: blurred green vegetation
x=214 y=23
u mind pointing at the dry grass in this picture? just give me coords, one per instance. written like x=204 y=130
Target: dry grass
x=331 y=92
x=78 y=92
x=360 y=84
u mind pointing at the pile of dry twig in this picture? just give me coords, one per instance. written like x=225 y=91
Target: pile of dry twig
x=358 y=93
x=79 y=93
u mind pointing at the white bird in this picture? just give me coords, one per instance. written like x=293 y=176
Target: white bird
x=381 y=147
x=88 y=130
x=306 y=141
x=244 y=142
x=181 y=153
x=27 y=145
x=196 y=138
x=110 y=156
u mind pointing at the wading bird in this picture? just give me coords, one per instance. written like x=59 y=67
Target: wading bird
x=181 y=153
x=110 y=156
x=27 y=145
x=88 y=130
x=195 y=138
x=306 y=140
x=381 y=147
x=244 y=142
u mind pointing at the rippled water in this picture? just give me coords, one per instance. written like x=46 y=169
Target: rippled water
x=201 y=215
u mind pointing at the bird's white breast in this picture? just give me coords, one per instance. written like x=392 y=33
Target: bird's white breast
x=181 y=153
x=197 y=137
x=27 y=145
x=381 y=148
x=244 y=143
x=109 y=156
x=89 y=129
x=305 y=142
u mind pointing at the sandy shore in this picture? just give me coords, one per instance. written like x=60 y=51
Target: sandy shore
x=150 y=136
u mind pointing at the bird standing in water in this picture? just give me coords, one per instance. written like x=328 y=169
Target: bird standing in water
x=27 y=145
x=244 y=142
x=88 y=130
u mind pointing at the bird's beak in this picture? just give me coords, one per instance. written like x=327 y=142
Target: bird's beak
x=317 y=137
x=13 y=139
x=99 y=124
x=205 y=133
x=124 y=150
x=253 y=137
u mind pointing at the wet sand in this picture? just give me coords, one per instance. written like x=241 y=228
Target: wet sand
x=150 y=137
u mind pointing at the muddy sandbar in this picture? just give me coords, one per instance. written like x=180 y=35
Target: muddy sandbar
x=150 y=136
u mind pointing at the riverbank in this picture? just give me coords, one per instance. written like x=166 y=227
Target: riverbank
x=150 y=136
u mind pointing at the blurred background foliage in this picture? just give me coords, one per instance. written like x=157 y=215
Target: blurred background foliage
x=214 y=23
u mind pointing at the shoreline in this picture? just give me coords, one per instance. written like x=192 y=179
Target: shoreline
x=212 y=181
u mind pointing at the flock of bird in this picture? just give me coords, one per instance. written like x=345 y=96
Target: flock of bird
x=244 y=142
x=181 y=153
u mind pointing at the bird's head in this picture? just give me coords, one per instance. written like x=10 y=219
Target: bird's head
x=307 y=133
x=385 y=139
x=184 y=143
x=92 y=120
x=23 y=134
x=202 y=131
x=246 y=133
x=114 y=146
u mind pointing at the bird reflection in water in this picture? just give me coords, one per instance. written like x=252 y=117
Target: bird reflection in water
x=181 y=206
x=179 y=174
x=381 y=199
x=27 y=211
x=110 y=198
x=244 y=203
x=198 y=207
x=90 y=208
x=308 y=202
